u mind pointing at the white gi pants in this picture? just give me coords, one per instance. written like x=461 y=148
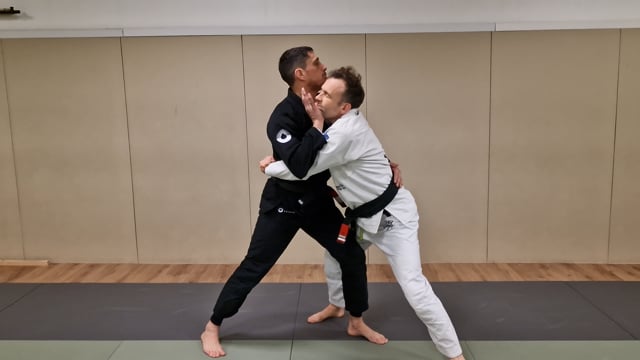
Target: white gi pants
x=399 y=242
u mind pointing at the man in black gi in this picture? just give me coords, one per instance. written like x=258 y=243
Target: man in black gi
x=287 y=206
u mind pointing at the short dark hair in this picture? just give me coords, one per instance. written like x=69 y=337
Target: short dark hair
x=354 y=92
x=292 y=59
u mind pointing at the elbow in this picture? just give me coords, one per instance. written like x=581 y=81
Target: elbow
x=299 y=165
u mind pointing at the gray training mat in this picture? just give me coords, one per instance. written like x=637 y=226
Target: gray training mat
x=109 y=312
x=525 y=311
x=618 y=300
x=11 y=293
x=268 y=313
x=479 y=310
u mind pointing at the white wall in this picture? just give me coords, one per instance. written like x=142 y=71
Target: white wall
x=74 y=18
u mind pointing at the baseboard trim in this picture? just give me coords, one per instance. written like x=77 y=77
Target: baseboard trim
x=4 y=262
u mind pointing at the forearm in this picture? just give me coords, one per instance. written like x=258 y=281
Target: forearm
x=299 y=158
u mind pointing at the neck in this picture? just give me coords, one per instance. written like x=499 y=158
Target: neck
x=297 y=89
x=331 y=121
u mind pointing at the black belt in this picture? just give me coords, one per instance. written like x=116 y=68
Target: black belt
x=365 y=210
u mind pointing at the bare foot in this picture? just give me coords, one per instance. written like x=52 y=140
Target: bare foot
x=211 y=341
x=357 y=327
x=459 y=357
x=331 y=311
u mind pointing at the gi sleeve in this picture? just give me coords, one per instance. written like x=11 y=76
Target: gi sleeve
x=334 y=153
x=297 y=153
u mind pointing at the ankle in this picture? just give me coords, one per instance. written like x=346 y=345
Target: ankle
x=211 y=327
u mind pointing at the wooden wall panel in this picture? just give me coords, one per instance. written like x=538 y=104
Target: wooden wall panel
x=553 y=104
x=625 y=218
x=428 y=101
x=189 y=148
x=514 y=128
x=10 y=232
x=72 y=156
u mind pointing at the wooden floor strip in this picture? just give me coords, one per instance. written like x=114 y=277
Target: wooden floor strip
x=311 y=273
x=4 y=262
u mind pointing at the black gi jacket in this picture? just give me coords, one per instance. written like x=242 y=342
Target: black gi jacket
x=295 y=141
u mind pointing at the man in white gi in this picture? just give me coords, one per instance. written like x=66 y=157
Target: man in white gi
x=362 y=176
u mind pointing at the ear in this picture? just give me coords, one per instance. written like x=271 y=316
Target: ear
x=298 y=73
x=345 y=108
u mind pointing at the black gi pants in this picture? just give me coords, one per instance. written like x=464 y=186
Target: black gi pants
x=273 y=232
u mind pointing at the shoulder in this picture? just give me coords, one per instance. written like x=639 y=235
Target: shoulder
x=283 y=107
x=354 y=121
x=283 y=115
x=288 y=108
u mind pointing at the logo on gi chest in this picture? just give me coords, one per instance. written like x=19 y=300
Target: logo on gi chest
x=283 y=136
x=387 y=225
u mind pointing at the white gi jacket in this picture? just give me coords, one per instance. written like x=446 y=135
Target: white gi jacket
x=359 y=169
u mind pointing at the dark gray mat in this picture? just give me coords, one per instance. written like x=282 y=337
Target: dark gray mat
x=145 y=312
x=268 y=313
x=313 y=297
x=479 y=310
x=619 y=300
x=10 y=293
x=525 y=311
x=109 y=312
